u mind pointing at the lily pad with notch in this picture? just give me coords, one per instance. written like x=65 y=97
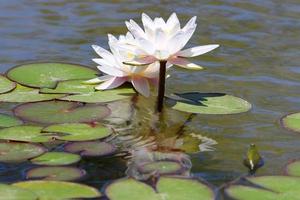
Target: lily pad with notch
x=22 y=94
x=47 y=74
x=55 y=173
x=6 y=85
x=56 y=159
x=90 y=148
x=60 y=189
x=102 y=96
x=54 y=112
x=78 y=131
x=208 y=103
x=291 y=122
x=69 y=87
x=11 y=152
x=8 y=121
x=266 y=188
x=167 y=188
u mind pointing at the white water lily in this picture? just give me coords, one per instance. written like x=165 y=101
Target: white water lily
x=163 y=41
x=118 y=73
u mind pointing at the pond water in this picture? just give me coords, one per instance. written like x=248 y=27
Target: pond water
x=258 y=60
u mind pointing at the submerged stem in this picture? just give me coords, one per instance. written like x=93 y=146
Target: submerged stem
x=161 y=87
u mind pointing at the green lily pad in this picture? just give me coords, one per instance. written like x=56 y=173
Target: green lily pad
x=9 y=192
x=183 y=189
x=6 y=85
x=58 y=190
x=167 y=188
x=8 y=121
x=293 y=168
x=55 y=112
x=271 y=187
x=18 y=152
x=79 y=131
x=47 y=75
x=161 y=167
x=55 y=173
x=56 y=158
x=292 y=122
x=92 y=148
x=102 y=96
x=130 y=189
x=24 y=94
x=208 y=103
x=24 y=133
x=69 y=87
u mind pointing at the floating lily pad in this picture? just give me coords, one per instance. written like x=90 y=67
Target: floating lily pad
x=56 y=158
x=48 y=74
x=209 y=103
x=161 y=167
x=8 y=121
x=78 y=131
x=6 y=85
x=9 y=192
x=17 y=152
x=271 y=187
x=53 y=112
x=101 y=96
x=58 y=190
x=55 y=173
x=24 y=94
x=69 y=87
x=293 y=168
x=24 y=133
x=92 y=148
x=183 y=189
x=167 y=188
x=292 y=122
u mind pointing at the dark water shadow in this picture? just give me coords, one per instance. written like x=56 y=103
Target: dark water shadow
x=194 y=98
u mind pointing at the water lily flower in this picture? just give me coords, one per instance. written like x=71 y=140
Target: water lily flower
x=163 y=41
x=117 y=73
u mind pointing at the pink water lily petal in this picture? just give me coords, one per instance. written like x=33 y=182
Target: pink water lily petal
x=198 y=50
x=141 y=85
x=173 y=23
x=184 y=63
x=146 y=45
x=154 y=81
x=148 y=26
x=190 y=24
x=111 y=83
x=152 y=71
x=111 y=71
x=135 y=29
x=103 y=53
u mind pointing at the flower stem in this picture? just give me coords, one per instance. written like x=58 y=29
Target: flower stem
x=161 y=87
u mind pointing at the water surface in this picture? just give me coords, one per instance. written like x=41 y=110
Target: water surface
x=258 y=60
